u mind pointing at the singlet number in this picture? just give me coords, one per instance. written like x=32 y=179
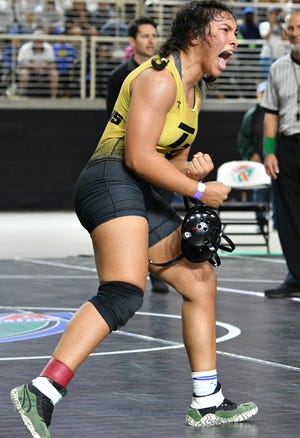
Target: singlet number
x=116 y=118
x=179 y=142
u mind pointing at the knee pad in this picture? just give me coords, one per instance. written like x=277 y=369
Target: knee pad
x=117 y=302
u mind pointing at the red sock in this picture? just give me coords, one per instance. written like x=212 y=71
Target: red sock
x=58 y=372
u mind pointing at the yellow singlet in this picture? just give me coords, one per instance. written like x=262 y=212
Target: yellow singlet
x=180 y=126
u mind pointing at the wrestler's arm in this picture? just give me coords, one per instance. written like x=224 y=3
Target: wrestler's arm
x=152 y=95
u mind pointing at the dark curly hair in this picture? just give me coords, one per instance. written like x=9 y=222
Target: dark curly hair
x=190 y=21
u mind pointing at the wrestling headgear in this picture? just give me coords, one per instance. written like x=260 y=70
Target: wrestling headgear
x=201 y=235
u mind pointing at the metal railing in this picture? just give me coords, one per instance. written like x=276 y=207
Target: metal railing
x=71 y=71
x=162 y=11
x=85 y=76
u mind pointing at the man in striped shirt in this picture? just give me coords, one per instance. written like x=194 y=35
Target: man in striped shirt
x=281 y=102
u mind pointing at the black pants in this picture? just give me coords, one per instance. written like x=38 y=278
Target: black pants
x=287 y=201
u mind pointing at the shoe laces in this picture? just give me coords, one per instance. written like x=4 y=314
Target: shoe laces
x=47 y=405
x=47 y=409
x=227 y=404
x=43 y=404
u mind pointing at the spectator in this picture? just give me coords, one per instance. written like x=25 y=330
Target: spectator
x=247 y=54
x=105 y=62
x=282 y=128
x=24 y=15
x=9 y=67
x=114 y=26
x=6 y=21
x=79 y=21
x=80 y=18
x=129 y=51
x=101 y=12
x=36 y=62
x=249 y=29
x=272 y=32
x=50 y=17
x=6 y=16
x=66 y=62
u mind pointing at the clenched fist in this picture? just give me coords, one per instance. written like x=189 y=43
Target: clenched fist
x=200 y=166
x=215 y=193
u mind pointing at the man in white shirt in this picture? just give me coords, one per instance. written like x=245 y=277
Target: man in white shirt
x=36 y=66
x=272 y=31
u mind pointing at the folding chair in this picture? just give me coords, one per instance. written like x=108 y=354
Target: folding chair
x=245 y=215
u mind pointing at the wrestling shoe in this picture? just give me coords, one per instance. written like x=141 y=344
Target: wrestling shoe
x=35 y=409
x=227 y=412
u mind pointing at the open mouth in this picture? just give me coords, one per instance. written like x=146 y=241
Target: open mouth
x=224 y=56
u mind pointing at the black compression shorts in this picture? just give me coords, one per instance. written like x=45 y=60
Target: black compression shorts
x=106 y=189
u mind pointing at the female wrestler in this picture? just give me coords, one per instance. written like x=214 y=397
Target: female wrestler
x=146 y=143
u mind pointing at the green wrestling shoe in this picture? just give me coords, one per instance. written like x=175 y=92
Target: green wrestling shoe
x=34 y=408
x=227 y=412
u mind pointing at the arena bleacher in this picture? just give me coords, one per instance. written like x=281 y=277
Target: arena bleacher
x=89 y=38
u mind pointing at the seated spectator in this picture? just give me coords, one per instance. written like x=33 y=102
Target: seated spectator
x=105 y=64
x=36 y=64
x=24 y=15
x=102 y=14
x=50 y=17
x=114 y=26
x=273 y=33
x=80 y=18
x=249 y=29
x=66 y=62
x=249 y=51
x=6 y=16
x=9 y=67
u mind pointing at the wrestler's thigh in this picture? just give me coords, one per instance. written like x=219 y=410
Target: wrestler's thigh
x=186 y=277
x=121 y=250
